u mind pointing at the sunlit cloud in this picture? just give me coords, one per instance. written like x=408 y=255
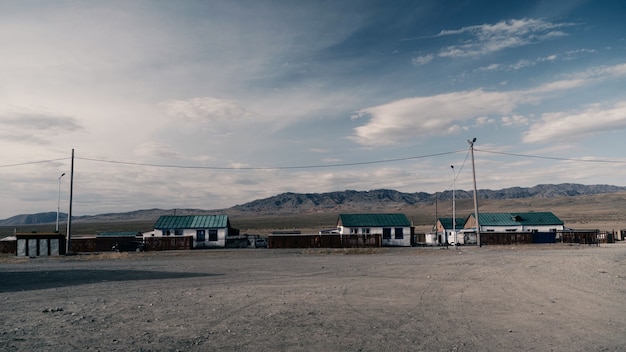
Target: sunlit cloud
x=409 y=118
x=564 y=125
x=406 y=119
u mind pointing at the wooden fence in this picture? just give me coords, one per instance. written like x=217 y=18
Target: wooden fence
x=505 y=238
x=168 y=243
x=324 y=241
x=587 y=236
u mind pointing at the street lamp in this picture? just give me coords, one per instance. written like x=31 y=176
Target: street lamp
x=59 y=203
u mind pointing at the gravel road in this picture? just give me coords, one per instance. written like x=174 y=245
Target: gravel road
x=497 y=298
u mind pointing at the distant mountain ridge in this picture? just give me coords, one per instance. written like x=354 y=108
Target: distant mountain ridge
x=344 y=201
x=289 y=202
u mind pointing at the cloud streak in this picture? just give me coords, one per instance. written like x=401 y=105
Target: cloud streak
x=564 y=126
x=485 y=39
x=406 y=119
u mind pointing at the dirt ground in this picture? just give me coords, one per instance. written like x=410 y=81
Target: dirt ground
x=496 y=298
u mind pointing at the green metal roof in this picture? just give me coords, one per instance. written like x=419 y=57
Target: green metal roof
x=516 y=219
x=373 y=220
x=447 y=223
x=117 y=234
x=191 y=222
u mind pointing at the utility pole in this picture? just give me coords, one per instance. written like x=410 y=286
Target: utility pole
x=69 y=212
x=456 y=240
x=471 y=143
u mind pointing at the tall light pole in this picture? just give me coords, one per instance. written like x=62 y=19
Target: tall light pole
x=56 y=229
x=471 y=143
x=453 y=204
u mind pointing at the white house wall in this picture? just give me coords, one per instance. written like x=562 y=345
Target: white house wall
x=220 y=243
x=520 y=228
x=404 y=242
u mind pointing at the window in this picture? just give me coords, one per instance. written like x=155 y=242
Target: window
x=354 y=231
x=178 y=232
x=200 y=235
x=365 y=230
x=399 y=233
x=386 y=233
x=212 y=235
x=166 y=233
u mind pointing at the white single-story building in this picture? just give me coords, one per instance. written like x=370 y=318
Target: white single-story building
x=395 y=229
x=516 y=222
x=206 y=230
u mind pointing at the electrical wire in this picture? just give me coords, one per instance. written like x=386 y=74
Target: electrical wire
x=322 y=166
x=553 y=158
x=269 y=167
x=34 y=162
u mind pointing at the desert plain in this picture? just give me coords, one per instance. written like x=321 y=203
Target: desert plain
x=549 y=297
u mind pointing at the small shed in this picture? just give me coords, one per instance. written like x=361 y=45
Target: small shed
x=40 y=244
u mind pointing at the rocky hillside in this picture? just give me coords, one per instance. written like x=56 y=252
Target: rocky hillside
x=319 y=202
x=343 y=201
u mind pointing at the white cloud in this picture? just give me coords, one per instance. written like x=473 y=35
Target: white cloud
x=484 y=120
x=492 y=67
x=558 y=85
x=205 y=109
x=423 y=60
x=442 y=114
x=520 y=65
x=487 y=38
x=409 y=118
x=514 y=120
x=552 y=57
x=564 y=126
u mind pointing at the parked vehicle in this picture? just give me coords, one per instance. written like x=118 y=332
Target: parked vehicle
x=134 y=246
x=260 y=243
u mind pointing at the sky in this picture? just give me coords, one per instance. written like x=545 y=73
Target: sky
x=209 y=104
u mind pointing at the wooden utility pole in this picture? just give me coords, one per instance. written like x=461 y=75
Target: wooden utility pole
x=69 y=212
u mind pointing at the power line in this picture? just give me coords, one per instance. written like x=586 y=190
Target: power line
x=319 y=166
x=269 y=167
x=34 y=162
x=554 y=158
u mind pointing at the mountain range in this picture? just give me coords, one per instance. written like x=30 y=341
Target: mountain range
x=340 y=201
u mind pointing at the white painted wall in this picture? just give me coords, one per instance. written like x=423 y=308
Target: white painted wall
x=220 y=243
x=404 y=242
x=521 y=228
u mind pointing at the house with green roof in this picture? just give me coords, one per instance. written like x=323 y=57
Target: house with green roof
x=207 y=231
x=395 y=229
x=516 y=222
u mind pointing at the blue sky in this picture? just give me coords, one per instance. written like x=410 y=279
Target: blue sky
x=209 y=104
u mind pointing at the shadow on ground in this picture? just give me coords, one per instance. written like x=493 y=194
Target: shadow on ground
x=38 y=280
